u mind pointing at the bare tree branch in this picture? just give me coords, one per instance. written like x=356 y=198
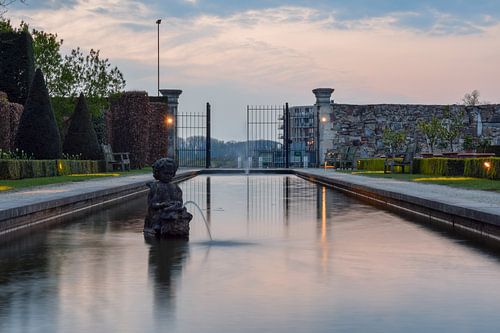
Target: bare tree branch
x=5 y=3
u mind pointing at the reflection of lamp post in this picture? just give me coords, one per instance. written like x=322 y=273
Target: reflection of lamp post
x=158 y=23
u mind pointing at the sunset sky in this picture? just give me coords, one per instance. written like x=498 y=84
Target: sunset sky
x=234 y=53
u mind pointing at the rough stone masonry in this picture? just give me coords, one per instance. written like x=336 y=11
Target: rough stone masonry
x=363 y=125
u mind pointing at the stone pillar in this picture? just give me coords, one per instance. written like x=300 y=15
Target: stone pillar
x=173 y=103
x=324 y=108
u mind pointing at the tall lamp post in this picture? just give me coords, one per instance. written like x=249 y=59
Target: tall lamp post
x=158 y=22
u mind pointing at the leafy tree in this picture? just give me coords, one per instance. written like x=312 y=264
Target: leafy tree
x=67 y=76
x=394 y=140
x=74 y=73
x=431 y=129
x=81 y=138
x=38 y=133
x=452 y=126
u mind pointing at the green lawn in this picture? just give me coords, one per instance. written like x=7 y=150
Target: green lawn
x=6 y=185
x=460 y=182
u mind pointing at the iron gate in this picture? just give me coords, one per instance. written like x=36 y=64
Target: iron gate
x=192 y=147
x=266 y=136
x=282 y=137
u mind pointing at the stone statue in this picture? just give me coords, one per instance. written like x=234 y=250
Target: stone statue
x=167 y=217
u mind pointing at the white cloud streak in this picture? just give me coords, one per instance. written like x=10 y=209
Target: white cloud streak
x=285 y=51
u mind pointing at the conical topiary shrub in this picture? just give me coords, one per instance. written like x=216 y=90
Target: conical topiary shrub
x=81 y=137
x=16 y=65
x=38 y=134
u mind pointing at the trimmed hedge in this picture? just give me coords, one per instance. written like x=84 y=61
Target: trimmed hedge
x=475 y=167
x=439 y=166
x=375 y=164
x=19 y=169
x=38 y=134
x=17 y=67
x=467 y=167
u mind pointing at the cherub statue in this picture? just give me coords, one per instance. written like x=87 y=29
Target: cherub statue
x=167 y=217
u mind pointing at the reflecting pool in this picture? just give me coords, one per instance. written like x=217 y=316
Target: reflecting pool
x=287 y=256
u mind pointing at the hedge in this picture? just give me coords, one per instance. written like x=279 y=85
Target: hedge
x=475 y=167
x=375 y=164
x=439 y=166
x=467 y=167
x=19 y=169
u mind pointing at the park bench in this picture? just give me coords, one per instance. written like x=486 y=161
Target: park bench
x=332 y=157
x=348 y=159
x=391 y=162
x=114 y=160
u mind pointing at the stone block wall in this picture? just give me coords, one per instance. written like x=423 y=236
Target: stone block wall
x=363 y=125
x=10 y=115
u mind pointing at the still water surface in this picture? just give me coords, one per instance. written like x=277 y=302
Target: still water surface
x=287 y=256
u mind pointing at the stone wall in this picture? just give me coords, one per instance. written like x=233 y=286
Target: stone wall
x=363 y=125
x=10 y=115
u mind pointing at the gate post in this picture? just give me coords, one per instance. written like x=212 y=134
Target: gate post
x=287 y=136
x=208 y=145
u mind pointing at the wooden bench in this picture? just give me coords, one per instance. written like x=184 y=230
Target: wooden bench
x=348 y=159
x=113 y=160
x=333 y=157
x=391 y=162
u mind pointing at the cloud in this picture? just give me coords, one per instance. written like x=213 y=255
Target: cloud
x=274 y=55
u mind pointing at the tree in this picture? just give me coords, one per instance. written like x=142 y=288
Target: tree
x=38 y=134
x=431 y=129
x=70 y=75
x=451 y=126
x=394 y=140
x=81 y=138
x=471 y=99
x=16 y=64
x=74 y=73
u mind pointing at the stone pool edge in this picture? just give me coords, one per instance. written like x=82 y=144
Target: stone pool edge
x=25 y=217
x=466 y=219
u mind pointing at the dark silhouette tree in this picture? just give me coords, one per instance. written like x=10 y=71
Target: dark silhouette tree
x=38 y=134
x=81 y=137
x=16 y=64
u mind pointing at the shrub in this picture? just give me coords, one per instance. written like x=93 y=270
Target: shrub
x=475 y=167
x=371 y=164
x=81 y=137
x=38 y=133
x=19 y=169
x=375 y=164
x=16 y=65
x=439 y=166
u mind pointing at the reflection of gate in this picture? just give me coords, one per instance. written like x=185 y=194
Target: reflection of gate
x=266 y=136
x=193 y=139
x=279 y=137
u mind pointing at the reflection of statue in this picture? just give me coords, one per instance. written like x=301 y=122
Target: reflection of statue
x=166 y=261
x=167 y=218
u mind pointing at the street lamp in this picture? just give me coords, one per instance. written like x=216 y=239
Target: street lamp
x=158 y=22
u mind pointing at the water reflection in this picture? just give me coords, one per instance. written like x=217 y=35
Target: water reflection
x=166 y=260
x=287 y=256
